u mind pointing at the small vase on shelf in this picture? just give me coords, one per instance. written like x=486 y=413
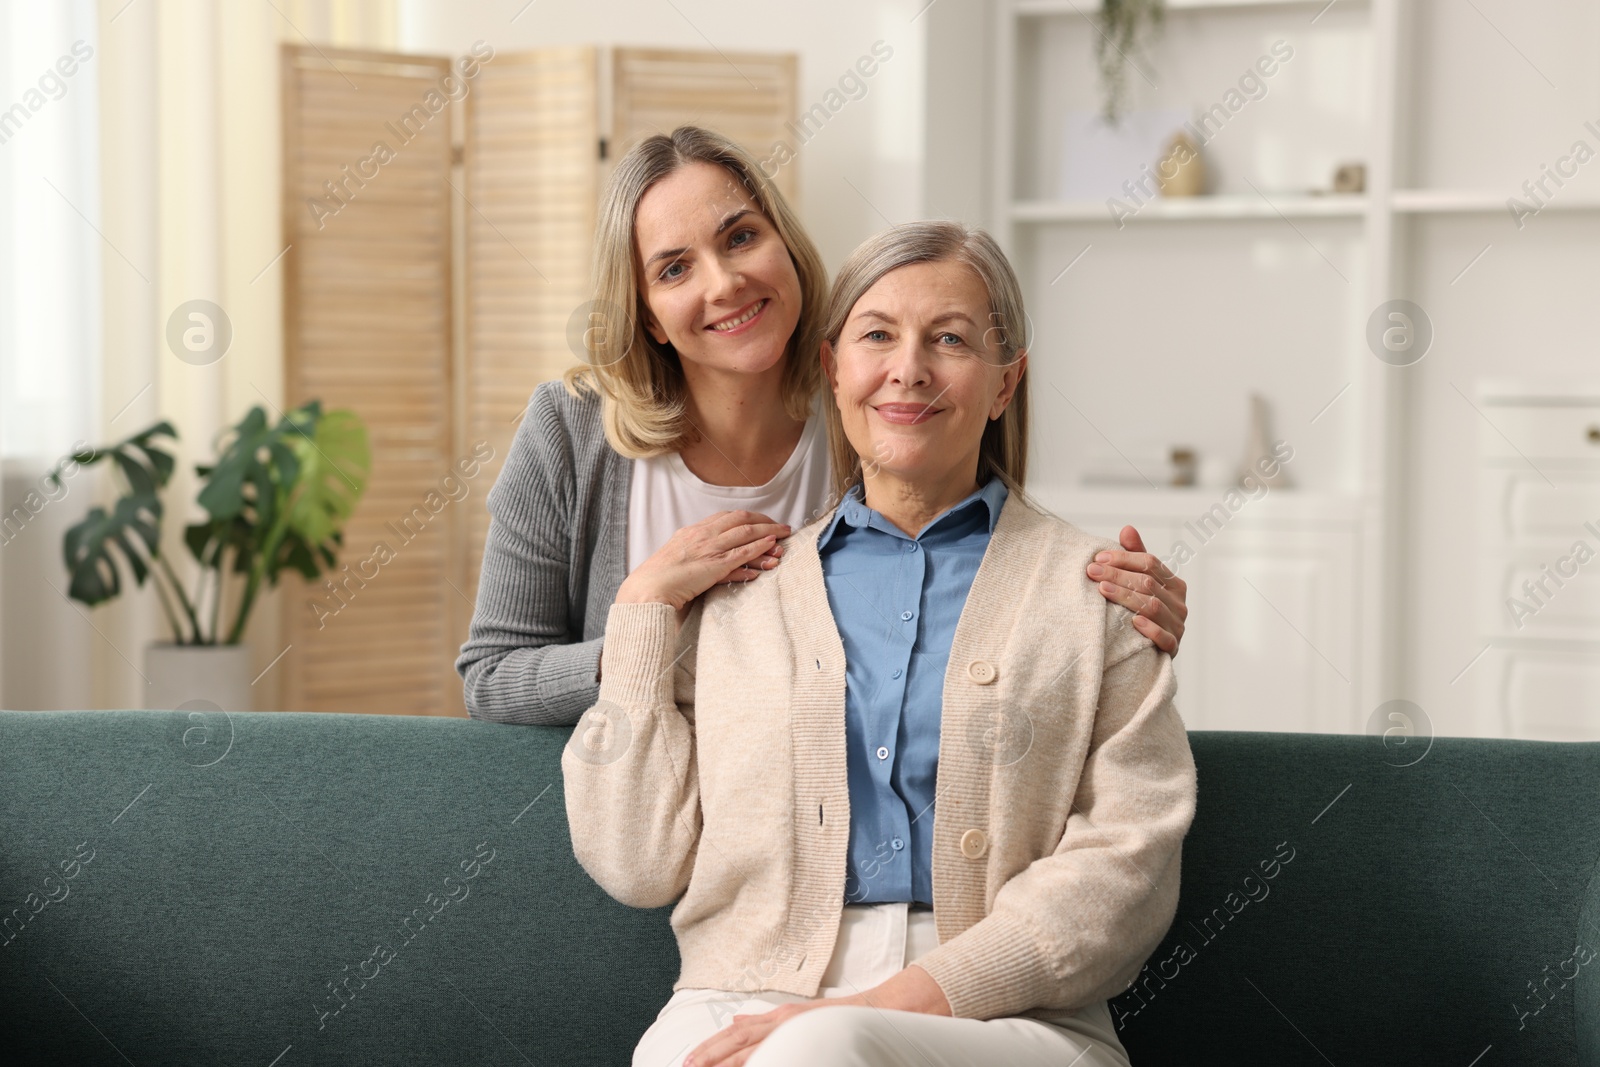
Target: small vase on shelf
x=1181 y=171
x=1261 y=461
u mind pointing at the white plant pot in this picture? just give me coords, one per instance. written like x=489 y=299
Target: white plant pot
x=214 y=674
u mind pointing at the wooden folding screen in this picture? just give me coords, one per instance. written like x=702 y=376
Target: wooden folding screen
x=749 y=97
x=532 y=146
x=367 y=308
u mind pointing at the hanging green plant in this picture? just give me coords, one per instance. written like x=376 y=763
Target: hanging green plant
x=1125 y=26
x=276 y=499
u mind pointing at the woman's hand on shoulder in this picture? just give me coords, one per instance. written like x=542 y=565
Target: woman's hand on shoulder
x=1142 y=583
x=730 y=546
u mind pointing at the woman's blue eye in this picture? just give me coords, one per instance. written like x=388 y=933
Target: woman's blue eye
x=877 y=335
x=955 y=338
x=674 y=265
x=735 y=242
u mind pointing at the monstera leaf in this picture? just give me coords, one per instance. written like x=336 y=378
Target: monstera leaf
x=87 y=547
x=257 y=470
x=334 y=464
x=91 y=547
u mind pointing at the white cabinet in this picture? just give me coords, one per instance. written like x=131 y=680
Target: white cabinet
x=1271 y=641
x=1153 y=319
x=1538 y=581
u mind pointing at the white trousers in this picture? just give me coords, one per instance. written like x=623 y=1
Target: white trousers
x=875 y=942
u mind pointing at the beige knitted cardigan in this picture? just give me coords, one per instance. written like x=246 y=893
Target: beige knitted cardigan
x=713 y=768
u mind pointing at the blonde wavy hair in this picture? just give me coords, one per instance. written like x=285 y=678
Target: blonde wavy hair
x=1003 y=452
x=641 y=382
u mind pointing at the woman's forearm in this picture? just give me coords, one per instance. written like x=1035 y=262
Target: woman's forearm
x=913 y=989
x=628 y=769
x=543 y=685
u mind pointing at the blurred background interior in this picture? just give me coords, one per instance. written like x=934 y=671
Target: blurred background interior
x=1360 y=237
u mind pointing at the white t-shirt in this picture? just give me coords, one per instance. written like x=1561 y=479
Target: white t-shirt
x=665 y=495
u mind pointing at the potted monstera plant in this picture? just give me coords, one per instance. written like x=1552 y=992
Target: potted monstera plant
x=276 y=500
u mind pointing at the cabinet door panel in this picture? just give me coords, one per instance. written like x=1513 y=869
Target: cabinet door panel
x=1520 y=505
x=1272 y=628
x=1543 y=695
x=1543 y=590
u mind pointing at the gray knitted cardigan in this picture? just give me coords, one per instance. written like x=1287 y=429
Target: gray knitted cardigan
x=556 y=552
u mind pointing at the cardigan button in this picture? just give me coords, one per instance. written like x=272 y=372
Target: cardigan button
x=981 y=671
x=974 y=844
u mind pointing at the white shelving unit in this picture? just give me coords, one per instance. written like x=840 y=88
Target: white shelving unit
x=1314 y=605
x=1291 y=597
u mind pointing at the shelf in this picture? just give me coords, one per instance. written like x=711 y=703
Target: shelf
x=1476 y=201
x=1194 y=207
x=1028 y=8
x=1403 y=201
x=1540 y=392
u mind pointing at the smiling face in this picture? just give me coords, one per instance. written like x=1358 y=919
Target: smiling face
x=917 y=374
x=717 y=279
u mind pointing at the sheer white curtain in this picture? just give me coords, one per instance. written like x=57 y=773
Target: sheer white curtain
x=49 y=204
x=50 y=321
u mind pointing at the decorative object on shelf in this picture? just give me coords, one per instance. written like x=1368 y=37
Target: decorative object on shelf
x=276 y=499
x=1262 y=462
x=1124 y=27
x=1100 y=160
x=1185 y=468
x=1350 y=178
x=1181 y=171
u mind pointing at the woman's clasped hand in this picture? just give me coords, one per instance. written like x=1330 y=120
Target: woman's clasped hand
x=730 y=546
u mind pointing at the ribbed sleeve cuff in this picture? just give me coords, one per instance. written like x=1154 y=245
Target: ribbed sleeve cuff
x=994 y=969
x=569 y=669
x=641 y=648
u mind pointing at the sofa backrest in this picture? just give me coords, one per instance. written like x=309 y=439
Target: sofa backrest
x=294 y=888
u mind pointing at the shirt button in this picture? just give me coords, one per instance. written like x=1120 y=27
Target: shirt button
x=911 y=546
x=896 y=673
x=981 y=671
x=905 y=616
x=974 y=844
x=897 y=844
x=883 y=753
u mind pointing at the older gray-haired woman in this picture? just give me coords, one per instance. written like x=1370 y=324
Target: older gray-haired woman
x=922 y=791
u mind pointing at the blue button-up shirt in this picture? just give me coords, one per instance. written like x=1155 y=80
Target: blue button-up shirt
x=896 y=600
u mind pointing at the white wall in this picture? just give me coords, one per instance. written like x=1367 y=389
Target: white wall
x=873 y=143
x=958 y=109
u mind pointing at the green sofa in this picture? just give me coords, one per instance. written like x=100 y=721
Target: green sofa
x=286 y=889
